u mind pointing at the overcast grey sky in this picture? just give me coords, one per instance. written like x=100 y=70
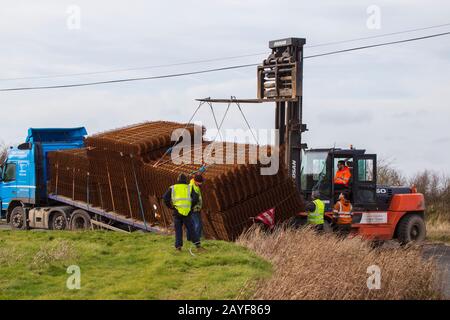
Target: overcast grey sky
x=393 y=100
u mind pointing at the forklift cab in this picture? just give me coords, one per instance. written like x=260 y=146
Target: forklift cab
x=318 y=170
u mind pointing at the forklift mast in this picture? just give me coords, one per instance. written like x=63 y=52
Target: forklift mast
x=280 y=79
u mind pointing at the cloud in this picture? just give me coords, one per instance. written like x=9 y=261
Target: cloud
x=389 y=100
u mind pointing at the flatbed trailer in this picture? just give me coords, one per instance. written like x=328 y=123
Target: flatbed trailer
x=112 y=216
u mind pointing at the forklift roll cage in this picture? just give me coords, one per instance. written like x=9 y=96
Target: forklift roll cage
x=363 y=182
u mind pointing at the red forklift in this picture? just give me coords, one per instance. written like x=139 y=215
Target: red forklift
x=379 y=212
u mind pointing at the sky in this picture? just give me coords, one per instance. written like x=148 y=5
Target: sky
x=393 y=101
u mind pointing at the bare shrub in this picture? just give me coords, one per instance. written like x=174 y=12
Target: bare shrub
x=436 y=189
x=311 y=266
x=388 y=175
x=434 y=186
x=3 y=150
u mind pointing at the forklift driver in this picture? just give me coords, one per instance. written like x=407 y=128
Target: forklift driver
x=342 y=177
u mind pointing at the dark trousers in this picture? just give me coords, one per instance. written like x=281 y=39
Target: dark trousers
x=343 y=230
x=339 y=188
x=197 y=222
x=179 y=220
x=317 y=227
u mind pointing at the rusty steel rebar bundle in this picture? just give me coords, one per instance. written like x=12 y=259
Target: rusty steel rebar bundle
x=69 y=176
x=127 y=170
x=233 y=194
x=140 y=140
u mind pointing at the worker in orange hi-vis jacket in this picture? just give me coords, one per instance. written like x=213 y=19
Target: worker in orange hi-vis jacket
x=343 y=213
x=343 y=174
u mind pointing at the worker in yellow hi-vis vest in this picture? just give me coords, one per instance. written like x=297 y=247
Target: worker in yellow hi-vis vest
x=316 y=211
x=181 y=198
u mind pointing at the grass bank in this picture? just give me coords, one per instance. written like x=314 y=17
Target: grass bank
x=123 y=266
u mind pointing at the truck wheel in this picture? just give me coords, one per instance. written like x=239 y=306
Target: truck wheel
x=411 y=229
x=18 y=219
x=59 y=221
x=80 y=220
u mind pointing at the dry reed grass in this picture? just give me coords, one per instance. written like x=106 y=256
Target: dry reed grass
x=438 y=229
x=324 y=267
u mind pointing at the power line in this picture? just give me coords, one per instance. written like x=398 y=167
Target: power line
x=136 y=68
x=217 y=69
x=173 y=75
x=380 y=35
x=379 y=45
x=218 y=59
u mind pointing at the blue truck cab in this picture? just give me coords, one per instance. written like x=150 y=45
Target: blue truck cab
x=24 y=173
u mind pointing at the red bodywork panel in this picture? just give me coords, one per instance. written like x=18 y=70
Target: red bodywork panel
x=378 y=231
x=407 y=202
x=399 y=206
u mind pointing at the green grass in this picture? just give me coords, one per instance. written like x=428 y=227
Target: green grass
x=114 y=265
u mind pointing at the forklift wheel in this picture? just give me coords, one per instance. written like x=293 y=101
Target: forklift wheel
x=411 y=229
x=17 y=219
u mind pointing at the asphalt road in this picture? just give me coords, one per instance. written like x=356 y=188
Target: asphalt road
x=441 y=252
x=4 y=226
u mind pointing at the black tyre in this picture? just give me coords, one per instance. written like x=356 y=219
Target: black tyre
x=411 y=229
x=80 y=220
x=17 y=219
x=58 y=221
